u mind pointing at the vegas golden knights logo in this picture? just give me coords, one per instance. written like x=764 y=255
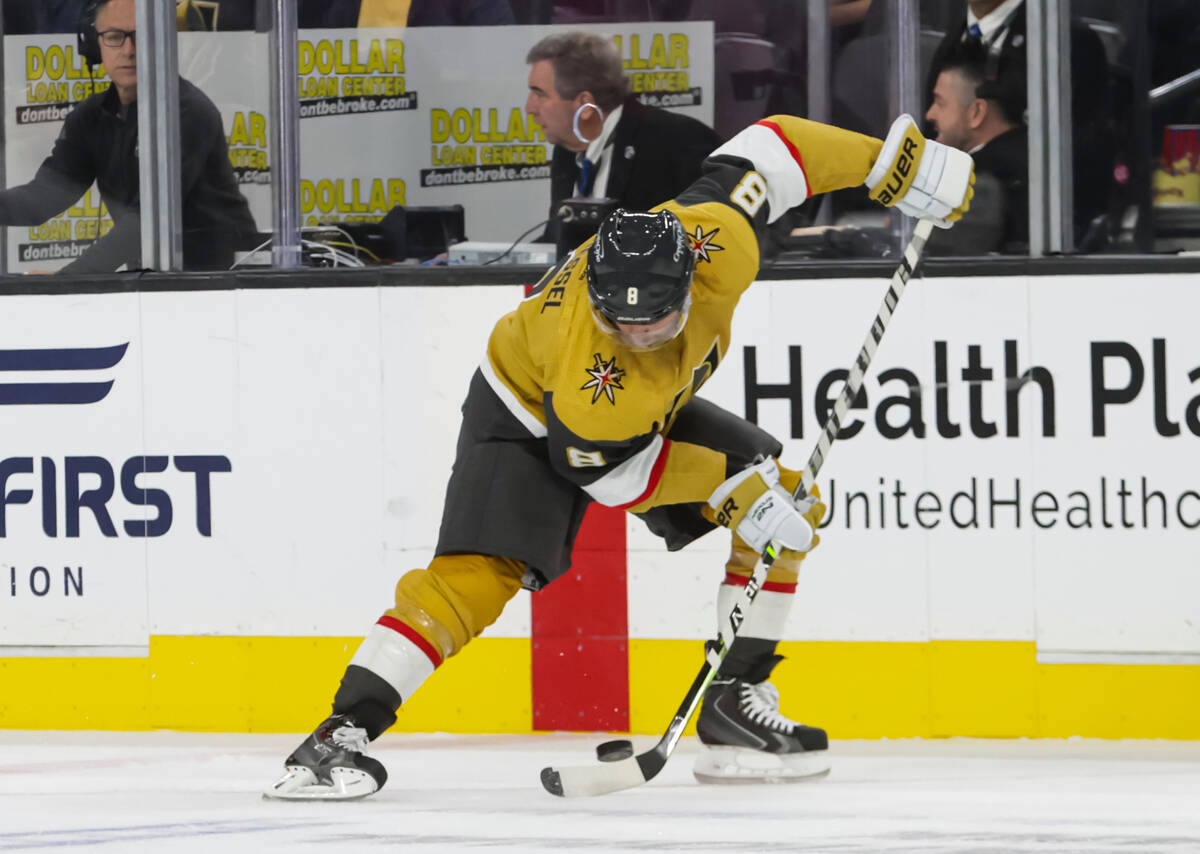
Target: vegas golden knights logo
x=605 y=378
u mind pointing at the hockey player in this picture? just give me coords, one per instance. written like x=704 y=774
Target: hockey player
x=587 y=393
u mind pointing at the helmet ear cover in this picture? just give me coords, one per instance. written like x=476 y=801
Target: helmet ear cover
x=87 y=41
x=639 y=267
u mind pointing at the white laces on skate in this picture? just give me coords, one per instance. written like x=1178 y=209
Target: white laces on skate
x=350 y=738
x=760 y=703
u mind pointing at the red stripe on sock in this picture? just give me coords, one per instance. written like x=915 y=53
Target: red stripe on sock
x=770 y=586
x=779 y=587
x=795 y=152
x=409 y=632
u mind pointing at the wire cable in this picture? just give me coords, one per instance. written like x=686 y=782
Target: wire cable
x=358 y=250
x=514 y=244
x=337 y=256
x=333 y=226
x=259 y=248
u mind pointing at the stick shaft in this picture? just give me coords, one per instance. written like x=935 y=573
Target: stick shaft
x=858 y=371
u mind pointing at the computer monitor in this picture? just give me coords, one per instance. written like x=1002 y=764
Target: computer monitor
x=423 y=232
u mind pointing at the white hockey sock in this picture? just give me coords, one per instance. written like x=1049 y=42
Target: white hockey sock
x=398 y=655
x=769 y=615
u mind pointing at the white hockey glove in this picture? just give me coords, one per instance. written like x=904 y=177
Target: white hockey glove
x=922 y=177
x=753 y=504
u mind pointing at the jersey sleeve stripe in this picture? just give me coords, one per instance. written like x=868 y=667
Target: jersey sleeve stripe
x=775 y=158
x=530 y=421
x=655 y=475
x=792 y=150
x=627 y=483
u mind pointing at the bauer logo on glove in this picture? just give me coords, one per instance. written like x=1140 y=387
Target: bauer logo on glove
x=922 y=177
x=725 y=516
x=902 y=171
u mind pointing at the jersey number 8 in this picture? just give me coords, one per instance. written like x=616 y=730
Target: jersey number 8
x=750 y=193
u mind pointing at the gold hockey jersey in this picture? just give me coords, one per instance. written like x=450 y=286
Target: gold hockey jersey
x=605 y=409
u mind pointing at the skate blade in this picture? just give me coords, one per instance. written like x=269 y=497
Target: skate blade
x=301 y=784
x=734 y=765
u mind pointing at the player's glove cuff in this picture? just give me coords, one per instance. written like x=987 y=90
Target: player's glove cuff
x=922 y=177
x=753 y=504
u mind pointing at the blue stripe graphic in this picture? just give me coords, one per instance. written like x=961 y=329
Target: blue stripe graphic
x=58 y=359
x=75 y=359
x=35 y=393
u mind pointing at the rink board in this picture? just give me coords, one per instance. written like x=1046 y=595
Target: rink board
x=936 y=689
x=227 y=484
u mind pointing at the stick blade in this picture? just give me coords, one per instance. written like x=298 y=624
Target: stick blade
x=575 y=781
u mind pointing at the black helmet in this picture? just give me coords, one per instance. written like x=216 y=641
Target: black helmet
x=639 y=267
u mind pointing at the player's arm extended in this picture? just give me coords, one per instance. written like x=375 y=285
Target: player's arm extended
x=799 y=158
x=778 y=163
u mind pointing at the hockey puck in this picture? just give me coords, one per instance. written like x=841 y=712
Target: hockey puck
x=614 y=751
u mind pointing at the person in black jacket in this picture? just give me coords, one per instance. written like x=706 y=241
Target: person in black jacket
x=978 y=118
x=99 y=142
x=607 y=143
x=1000 y=26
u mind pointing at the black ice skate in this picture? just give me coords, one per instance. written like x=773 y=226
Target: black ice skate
x=745 y=739
x=331 y=764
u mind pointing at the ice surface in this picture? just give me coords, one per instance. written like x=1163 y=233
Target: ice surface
x=181 y=793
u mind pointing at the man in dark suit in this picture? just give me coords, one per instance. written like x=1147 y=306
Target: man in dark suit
x=1000 y=27
x=607 y=144
x=979 y=119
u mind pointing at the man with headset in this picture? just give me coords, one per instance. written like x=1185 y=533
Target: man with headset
x=607 y=143
x=99 y=142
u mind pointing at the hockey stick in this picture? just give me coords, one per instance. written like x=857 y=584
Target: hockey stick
x=625 y=773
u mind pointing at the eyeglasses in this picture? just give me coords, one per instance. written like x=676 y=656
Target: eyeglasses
x=116 y=38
